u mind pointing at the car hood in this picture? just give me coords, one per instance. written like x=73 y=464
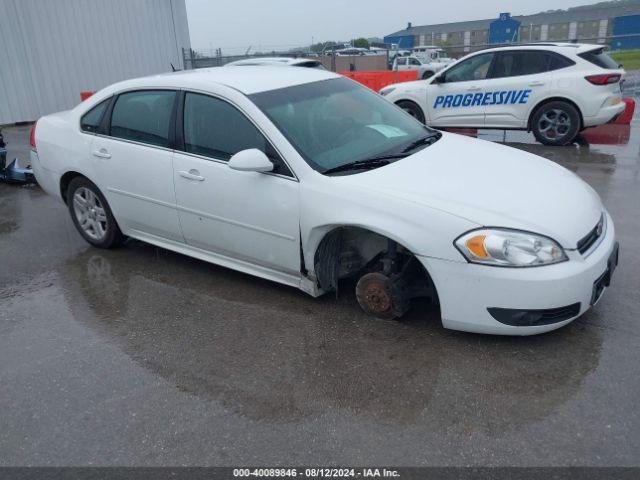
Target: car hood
x=491 y=185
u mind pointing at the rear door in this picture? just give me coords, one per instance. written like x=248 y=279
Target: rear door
x=519 y=80
x=133 y=162
x=457 y=101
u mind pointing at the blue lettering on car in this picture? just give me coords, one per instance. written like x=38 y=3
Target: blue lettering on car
x=499 y=97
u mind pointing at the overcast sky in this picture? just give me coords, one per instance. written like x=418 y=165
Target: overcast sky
x=270 y=24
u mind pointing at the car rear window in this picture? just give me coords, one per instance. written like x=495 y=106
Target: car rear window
x=600 y=58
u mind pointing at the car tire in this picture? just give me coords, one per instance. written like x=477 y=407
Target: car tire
x=92 y=215
x=427 y=74
x=412 y=109
x=556 y=123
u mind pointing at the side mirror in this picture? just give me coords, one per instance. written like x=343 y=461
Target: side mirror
x=439 y=79
x=251 y=160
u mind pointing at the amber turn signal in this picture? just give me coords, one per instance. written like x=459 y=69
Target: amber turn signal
x=476 y=246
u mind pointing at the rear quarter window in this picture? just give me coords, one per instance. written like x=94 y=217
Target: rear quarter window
x=91 y=120
x=600 y=58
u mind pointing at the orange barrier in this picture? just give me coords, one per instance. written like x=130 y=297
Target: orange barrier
x=85 y=95
x=627 y=115
x=378 y=79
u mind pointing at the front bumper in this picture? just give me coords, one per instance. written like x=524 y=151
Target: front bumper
x=466 y=291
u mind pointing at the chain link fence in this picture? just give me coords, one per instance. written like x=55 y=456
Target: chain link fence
x=337 y=63
x=382 y=60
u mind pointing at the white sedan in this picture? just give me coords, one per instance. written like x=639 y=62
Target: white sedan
x=553 y=90
x=278 y=62
x=306 y=178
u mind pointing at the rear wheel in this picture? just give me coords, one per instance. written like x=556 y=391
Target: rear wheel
x=427 y=74
x=412 y=109
x=556 y=123
x=91 y=214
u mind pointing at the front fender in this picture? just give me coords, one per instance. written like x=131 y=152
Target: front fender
x=421 y=230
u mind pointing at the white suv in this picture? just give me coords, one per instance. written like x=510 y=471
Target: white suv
x=553 y=90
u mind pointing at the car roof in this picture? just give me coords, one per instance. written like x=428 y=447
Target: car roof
x=246 y=79
x=270 y=61
x=566 y=48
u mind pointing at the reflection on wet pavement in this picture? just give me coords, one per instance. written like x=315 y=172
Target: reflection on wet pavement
x=245 y=343
x=143 y=356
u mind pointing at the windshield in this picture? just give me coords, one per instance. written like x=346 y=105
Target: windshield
x=338 y=122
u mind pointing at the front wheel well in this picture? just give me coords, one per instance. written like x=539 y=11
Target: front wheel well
x=418 y=113
x=65 y=180
x=554 y=99
x=348 y=252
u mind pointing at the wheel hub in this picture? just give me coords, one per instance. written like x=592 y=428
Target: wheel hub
x=377 y=298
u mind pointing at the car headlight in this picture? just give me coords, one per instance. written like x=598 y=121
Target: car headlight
x=509 y=248
x=386 y=90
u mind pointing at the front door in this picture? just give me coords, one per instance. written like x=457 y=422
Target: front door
x=247 y=216
x=458 y=100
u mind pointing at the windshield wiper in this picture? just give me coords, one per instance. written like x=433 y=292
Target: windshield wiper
x=366 y=163
x=426 y=141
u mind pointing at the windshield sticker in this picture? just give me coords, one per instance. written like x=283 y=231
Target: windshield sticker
x=388 y=131
x=502 y=97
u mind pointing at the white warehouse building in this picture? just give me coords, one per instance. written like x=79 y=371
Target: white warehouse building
x=50 y=51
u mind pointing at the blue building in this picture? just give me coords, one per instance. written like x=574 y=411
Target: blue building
x=626 y=25
x=403 y=41
x=586 y=24
x=504 y=30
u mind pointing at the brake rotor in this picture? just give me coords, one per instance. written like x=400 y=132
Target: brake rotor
x=375 y=295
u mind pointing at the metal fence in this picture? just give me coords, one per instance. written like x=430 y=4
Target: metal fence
x=612 y=42
x=197 y=59
x=337 y=63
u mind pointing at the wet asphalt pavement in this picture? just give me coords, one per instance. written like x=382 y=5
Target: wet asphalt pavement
x=139 y=356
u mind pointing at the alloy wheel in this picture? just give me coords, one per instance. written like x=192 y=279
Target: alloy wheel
x=90 y=213
x=554 y=124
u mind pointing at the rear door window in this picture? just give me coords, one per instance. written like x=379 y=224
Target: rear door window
x=600 y=58
x=516 y=63
x=527 y=62
x=143 y=116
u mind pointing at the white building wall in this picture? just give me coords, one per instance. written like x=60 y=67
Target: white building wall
x=50 y=51
x=602 y=30
x=544 y=32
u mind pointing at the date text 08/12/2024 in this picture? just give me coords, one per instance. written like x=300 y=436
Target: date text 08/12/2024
x=500 y=97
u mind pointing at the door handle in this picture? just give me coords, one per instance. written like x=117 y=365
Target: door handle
x=192 y=174
x=473 y=89
x=102 y=153
x=536 y=84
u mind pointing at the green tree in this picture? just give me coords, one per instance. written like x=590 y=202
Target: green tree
x=360 y=43
x=320 y=46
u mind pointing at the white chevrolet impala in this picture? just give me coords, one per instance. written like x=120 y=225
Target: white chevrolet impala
x=306 y=178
